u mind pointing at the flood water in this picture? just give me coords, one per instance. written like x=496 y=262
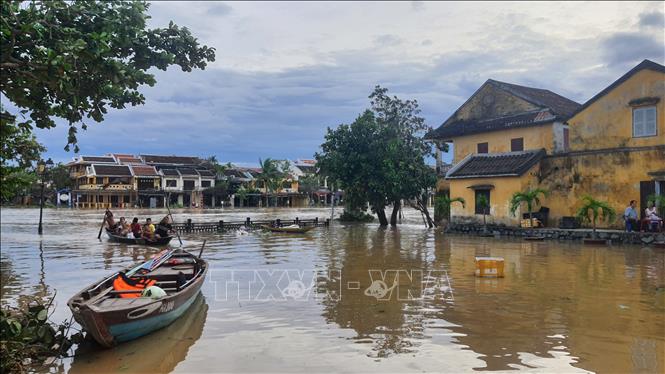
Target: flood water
x=358 y=298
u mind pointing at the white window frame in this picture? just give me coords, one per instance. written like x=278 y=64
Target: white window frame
x=644 y=110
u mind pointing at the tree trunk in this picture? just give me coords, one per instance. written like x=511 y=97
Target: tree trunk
x=381 y=213
x=430 y=222
x=484 y=222
x=393 y=217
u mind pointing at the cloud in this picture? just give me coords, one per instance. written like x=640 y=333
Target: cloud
x=219 y=9
x=655 y=19
x=629 y=47
x=285 y=72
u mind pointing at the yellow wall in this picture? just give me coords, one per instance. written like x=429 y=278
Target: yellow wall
x=613 y=177
x=490 y=102
x=608 y=122
x=500 y=196
x=499 y=141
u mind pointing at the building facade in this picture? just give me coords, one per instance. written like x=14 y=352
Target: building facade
x=510 y=138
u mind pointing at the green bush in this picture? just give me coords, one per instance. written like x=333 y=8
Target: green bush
x=27 y=337
x=355 y=216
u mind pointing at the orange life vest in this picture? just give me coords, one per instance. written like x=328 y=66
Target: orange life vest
x=123 y=283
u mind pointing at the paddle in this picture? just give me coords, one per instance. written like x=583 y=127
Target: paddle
x=168 y=198
x=202 y=246
x=99 y=236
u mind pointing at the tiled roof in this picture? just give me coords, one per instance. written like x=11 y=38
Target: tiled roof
x=112 y=170
x=646 y=64
x=307 y=168
x=560 y=105
x=144 y=170
x=170 y=172
x=459 y=128
x=551 y=107
x=509 y=164
x=124 y=159
x=176 y=160
x=206 y=173
x=188 y=172
x=98 y=159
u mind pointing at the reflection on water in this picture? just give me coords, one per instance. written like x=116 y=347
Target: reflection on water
x=562 y=307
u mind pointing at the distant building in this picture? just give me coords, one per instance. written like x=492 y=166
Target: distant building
x=123 y=181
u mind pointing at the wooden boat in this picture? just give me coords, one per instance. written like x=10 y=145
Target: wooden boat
x=131 y=240
x=534 y=238
x=289 y=229
x=112 y=316
x=659 y=244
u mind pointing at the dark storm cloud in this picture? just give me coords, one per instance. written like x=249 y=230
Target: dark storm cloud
x=628 y=47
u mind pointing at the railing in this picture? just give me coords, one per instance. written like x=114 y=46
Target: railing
x=221 y=225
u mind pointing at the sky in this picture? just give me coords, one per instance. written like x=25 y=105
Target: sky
x=286 y=71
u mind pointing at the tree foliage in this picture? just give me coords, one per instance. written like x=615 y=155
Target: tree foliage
x=380 y=158
x=530 y=197
x=442 y=206
x=592 y=209
x=18 y=155
x=76 y=59
x=273 y=173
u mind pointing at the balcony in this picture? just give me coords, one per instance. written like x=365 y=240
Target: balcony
x=110 y=187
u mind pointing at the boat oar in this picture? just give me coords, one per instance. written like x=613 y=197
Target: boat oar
x=168 y=197
x=202 y=246
x=99 y=236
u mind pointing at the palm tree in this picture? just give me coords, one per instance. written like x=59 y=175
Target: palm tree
x=592 y=209
x=442 y=206
x=272 y=174
x=483 y=203
x=530 y=197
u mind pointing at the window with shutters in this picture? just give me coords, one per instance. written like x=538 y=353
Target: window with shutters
x=644 y=121
x=483 y=148
x=516 y=144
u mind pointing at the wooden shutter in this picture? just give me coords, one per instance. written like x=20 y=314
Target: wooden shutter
x=483 y=148
x=516 y=144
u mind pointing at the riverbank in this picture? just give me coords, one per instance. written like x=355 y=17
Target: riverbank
x=613 y=236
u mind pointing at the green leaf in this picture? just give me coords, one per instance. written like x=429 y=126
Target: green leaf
x=42 y=315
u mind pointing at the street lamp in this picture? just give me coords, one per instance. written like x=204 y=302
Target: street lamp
x=42 y=169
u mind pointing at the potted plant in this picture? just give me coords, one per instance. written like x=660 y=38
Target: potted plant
x=531 y=198
x=590 y=211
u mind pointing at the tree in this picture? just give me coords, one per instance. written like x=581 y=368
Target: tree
x=219 y=169
x=273 y=173
x=20 y=150
x=658 y=201
x=308 y=184
x=60 y=176
x=380 y=158
x=75 y=59
x=592 y=209
x=442 y=206
x=530 y=197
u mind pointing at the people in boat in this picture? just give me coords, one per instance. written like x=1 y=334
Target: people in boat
x=651 y=213
x=122 y=228
x=148 y=229
x=630 y=216
x=110 y=221
x=164 y=227
x=136 y=228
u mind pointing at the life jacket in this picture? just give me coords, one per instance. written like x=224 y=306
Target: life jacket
x=124 y=283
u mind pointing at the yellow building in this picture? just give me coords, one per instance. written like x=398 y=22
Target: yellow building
x=499 y=136
x=508 y=138
x=617 y=146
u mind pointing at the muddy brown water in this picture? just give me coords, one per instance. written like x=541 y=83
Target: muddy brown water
x=357 y=298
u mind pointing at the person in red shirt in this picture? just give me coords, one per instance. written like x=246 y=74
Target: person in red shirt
x=136 y=228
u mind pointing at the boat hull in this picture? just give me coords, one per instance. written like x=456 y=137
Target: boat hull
x=136 y=317
x=290 y=230
x=141 y=241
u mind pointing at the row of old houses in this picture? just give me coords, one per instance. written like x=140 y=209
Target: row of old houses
x=151 y=181
x=508 y=138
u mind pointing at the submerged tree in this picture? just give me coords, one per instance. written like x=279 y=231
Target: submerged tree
x=530 y=197
x=75 y=59
x=380 y=158
x=18 y=154
x=483 y=203
x=592 y=209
